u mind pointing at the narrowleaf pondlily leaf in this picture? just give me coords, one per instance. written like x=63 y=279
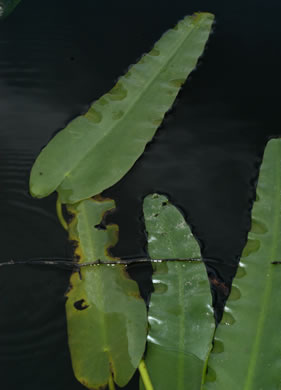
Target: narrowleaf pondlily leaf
x=180 y=311
x=106 y=317
x=97 y=149
x=247 y=348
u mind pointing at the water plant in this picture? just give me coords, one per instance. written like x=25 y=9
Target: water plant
x=247 y=345
x=106 y=316
x=96 y=149
x=107 y=320
x=180 y=315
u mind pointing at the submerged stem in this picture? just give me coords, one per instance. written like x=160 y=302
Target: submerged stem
x=145 y=376
x=111 y=384
x=60 y=214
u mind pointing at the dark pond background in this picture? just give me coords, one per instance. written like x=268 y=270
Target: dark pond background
x=58 y=56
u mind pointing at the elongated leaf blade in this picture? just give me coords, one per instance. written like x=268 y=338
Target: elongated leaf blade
x=106 y=317
x=95 y=150
x=180 y=312
x=247 y=349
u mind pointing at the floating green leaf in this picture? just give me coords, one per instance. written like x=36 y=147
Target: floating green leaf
x=106 y=317
x=180 y=312
x=7 y=6
x=95 y=150
x=247 y=349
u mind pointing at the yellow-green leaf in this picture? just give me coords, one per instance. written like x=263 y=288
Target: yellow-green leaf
x=106 y=317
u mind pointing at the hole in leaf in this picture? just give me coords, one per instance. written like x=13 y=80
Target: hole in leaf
x=100 y=226
x=80 y=305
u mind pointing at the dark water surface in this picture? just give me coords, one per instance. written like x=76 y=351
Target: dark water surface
x=58 y=56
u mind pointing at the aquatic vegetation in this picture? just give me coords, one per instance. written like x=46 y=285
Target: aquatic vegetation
x=247 y=346
x=106 y=317
x=7 y=7
x=180 y=316
x=97 y=149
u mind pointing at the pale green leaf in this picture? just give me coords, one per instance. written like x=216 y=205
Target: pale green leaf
x=247 y=349
x=97 y=149
x=106 y=317
x=180 y=311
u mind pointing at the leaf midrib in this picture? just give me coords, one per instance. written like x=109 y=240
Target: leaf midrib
x=181 y=333
x=103 y=325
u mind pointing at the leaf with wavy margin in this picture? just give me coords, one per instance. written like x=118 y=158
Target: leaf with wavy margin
x=106 y=317
x=180 y=311
x=247 y=348
x=97 y=149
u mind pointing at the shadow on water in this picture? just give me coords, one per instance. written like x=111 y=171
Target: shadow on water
x=57 y=57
